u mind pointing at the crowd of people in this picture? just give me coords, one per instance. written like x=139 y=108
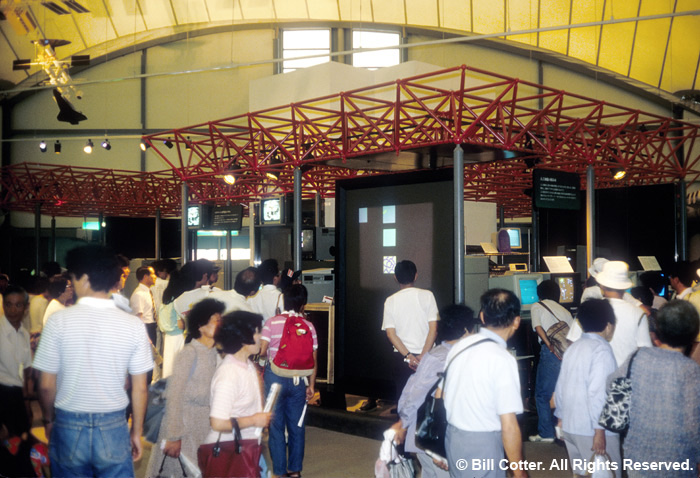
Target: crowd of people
x=89 y=353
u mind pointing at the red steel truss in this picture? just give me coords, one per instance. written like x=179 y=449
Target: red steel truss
x=329 y=137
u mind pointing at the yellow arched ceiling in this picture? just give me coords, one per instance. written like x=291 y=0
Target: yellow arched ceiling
x=656 y=42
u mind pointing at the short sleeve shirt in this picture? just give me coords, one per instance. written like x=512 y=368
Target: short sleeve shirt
x=409 y=311
x=15 y=353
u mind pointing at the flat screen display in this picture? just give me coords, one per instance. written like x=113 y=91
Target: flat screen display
x=528 y=291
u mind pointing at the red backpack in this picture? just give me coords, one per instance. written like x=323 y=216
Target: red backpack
x=295 y=357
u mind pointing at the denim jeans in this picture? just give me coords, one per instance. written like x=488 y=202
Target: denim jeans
x=547 y=374
x=90 y=444
x=288 y=409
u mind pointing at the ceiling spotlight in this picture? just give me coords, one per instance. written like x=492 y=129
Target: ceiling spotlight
x=618 y=173
x=168 y=143
x=57 y=147
x=271 y=175
x=144 y=146
x=42 y=146
x=88 y=146
x=188 y=144
x=106 y=145
x=230 y=178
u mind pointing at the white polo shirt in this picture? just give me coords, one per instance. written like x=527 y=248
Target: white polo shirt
x=91 y=347
x=15 y=353
x=482 y=384
x=266 y=300
x=231 y=299
x=408 y=311
x=631 y=330
x=183 y=304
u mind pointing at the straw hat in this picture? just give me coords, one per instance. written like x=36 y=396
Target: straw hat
x=615 y=275
x=597 y=266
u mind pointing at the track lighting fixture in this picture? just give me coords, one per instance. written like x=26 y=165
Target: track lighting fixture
x=230 y=178
x=88 y=147
x=618 y=173
x=57 y=147
x=271 y=175
x=168 y=143
x=106 y=145
x=42 y=146
x=144 y=146
x=188 y=144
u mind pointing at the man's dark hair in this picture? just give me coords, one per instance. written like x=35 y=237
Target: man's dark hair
x=247 y=281
x=654 y=281
x=684 y=271
x=98 y=262
x=500 y=307
x=57 y=285
x=180 y=281
x=203 y=266
x=237 y=329
x=595 y=314
x=548 y=289
x=165 y=265
x=643 y=295
x=405 y=272
x=454 y=320
x=50 y=269
x=123 y=261
x=269 y=269
x=199 y=316
x=15 y=289
x=40 y=285
x=295 y=297
x=142 y=272
x=677 y=324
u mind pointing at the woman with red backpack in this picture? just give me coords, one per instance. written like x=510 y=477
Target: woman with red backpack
x=290 y=344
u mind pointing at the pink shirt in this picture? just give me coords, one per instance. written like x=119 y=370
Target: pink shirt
x=273 y=328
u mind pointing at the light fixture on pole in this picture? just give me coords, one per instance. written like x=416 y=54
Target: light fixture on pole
x=42 y=146
x=57 y=147
x=88 y=147
x=106 y=145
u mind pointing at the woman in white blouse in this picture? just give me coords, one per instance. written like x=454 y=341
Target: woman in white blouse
x=235 y=388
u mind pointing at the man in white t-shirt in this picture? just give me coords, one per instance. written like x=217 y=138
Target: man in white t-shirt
x=410 y=322
x=482 y=393
x=85 y=353
x=546 y=313
x=206 y=273
x=631 y=324
x=142 y=302
x=266 y=300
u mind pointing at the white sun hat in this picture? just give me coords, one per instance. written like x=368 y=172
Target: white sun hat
x=615 y=275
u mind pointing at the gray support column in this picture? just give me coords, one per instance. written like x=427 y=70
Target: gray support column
x=101 y=230
x=534 y=257
x=183 y=223
x=590 y=216
x=228 y=268
x=52 y=251
x=683 y=222
x=458 y=172
x=297 y=219
x=157 y=235
x=37 y=237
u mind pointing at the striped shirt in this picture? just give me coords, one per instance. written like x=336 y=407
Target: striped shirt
x=91 y=347
x=273 y=328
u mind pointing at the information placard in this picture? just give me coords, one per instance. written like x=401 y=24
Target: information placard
x=227 y=218
x=556 y=189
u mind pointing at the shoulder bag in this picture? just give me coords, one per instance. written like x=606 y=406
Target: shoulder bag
x=431 y=418
x=238 y=458
x=557 y=333
x=616 y=411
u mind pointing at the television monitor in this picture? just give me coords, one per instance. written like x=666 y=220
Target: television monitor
x=194 y=216
x=570 y=288
x=307 y=243
x=524 y=286
x=514 y=235
x=272 y=211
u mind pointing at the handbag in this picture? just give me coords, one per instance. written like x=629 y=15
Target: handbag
x=162 y=464
x=234 y=459
x=401 y=466
x=616 y=410
x=556 y=334
x=431 y=417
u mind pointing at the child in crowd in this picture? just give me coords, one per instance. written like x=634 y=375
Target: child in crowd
x=580 y=392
